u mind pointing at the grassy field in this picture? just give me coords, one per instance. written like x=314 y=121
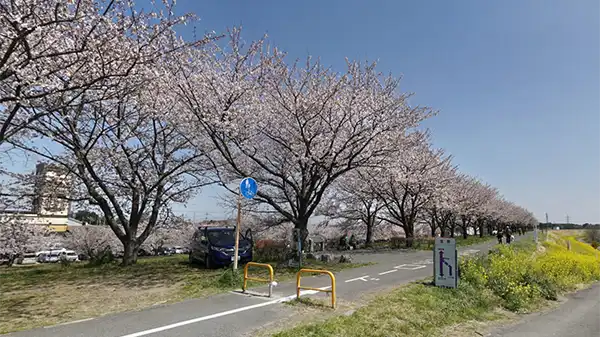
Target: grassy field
x=473 y=240
x=42 y=295
x=427 y=243
x=518 y=278
x=414 y=310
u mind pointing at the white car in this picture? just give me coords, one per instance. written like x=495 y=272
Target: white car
x=51 y=256
x=41 y=256
x=178 y=250
x=70 y=255
x=28 y=258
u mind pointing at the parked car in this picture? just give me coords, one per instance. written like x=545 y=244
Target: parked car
x=27 y=258
x=164 y=251
x=70 y=256
x=215 y=246
x=177 y=250
x=51 y=257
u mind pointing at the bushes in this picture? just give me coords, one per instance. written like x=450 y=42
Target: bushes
x=521 y=276
x=592 y=236
x=271 y=250
x=398 y=242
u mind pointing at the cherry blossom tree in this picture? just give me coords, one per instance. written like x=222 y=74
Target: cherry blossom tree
x=176 y=231
x=131 y=167
x=97 y=242
x=302 y=127
x=408 y=186
x=441 y=209
x=56 y=53
x=18 y=237
x=485 y=197
x=472 y=197
x=118 y=139
x=352 y=200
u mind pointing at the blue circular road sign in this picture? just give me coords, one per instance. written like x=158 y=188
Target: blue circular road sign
x=248 y=188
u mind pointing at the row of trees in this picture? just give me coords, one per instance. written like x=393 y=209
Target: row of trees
x=140 y=119
x=423 y=190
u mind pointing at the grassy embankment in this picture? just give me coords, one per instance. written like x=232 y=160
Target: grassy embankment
x=428 y=242
x=42 y=295
x=517 y=278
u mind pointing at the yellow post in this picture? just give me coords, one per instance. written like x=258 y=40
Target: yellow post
x=270 y=280
x=331 y=276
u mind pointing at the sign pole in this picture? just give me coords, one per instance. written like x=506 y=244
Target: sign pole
x=237 y=232
x=248 y=189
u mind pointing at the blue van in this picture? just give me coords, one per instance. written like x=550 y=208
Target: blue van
x=215 y=246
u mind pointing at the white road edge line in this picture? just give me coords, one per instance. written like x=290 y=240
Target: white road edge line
x=362 y=278
x=389 y=271
x=71 y=322
x=409 y=266
x=220 y=314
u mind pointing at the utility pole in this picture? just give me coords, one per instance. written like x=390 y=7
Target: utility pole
x=567 y=219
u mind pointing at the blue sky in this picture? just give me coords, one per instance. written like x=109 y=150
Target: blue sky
x=517 y=83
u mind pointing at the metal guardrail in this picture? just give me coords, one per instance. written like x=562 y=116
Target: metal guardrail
x=264 y=265
x=332 y=290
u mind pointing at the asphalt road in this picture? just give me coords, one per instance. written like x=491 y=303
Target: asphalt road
x=234 y=314
x=579 y=316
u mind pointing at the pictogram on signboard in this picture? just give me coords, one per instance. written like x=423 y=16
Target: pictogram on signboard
x=445 y=263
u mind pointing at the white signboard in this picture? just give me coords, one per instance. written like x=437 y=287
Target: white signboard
x=445 y=263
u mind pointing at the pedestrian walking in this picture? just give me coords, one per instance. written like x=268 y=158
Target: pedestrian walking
x=508 y=235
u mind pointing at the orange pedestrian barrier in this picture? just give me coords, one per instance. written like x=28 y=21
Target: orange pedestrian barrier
x=332 y=290
x=264 y=265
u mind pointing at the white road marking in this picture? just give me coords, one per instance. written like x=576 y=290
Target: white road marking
x=426 y=261
x=362 y=278
x=389 y=271
x=221 y=314
x=71 y=322
x=374 y=279
x=261 y=296
x=410 y=266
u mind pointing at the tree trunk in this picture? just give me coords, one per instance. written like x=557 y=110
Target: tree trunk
x=369 y=238
x=11 y=259
x=410 y=236
x=433 y=226
x=464 y=226
x=130 y=252
x=302 y=225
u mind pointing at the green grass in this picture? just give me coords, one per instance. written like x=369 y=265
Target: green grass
x=41 y=295
x=473 y=240
x=414 y=310
x=428 y=243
